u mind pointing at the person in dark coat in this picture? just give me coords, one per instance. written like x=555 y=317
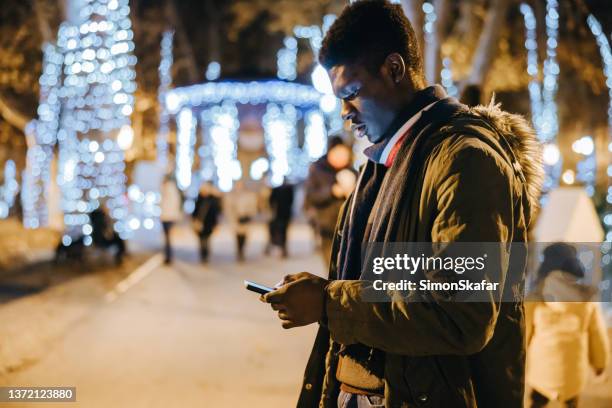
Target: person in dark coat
x=103 y=234
x=281 y=205
x=438 y=172
x=326 y=190
x=206 y=216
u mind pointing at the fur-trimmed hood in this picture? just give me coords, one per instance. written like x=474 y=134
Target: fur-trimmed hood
x=524 y=144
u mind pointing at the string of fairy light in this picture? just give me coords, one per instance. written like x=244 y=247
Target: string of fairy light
x=544 y=107
x=285 y=102
x=543 y=94
x=165 y=81
x=279 y=123
x=221 y=126
x=287 y=59
x=531 y=45
x=9 y=188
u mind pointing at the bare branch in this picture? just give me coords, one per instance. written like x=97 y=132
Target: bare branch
x=12 y=115
x=43 y=21
x=183 y=41
x=487 y=44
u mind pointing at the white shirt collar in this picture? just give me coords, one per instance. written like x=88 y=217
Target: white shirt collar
x=401 y=132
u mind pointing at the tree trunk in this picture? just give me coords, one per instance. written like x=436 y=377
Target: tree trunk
x=487 y=44
x=183 y=42
x=213 y=31
x=468 y=21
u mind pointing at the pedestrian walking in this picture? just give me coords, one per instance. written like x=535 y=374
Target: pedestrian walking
x=565 y=329
x=170 y=212
x=330 y=181
x=206 y=216
x=240 y=207
x=104 y=236
x=281 y=206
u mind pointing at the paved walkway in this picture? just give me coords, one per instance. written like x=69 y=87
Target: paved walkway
x=184 y=335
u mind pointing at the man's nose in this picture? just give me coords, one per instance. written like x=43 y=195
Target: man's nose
x=348 y=111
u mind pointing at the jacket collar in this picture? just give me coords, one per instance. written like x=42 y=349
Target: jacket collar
x=384 y=151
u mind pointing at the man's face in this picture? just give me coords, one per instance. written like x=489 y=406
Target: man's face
x=367 y=99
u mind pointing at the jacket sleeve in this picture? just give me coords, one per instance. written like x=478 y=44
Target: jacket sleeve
x=474 y=203
x=599 y=345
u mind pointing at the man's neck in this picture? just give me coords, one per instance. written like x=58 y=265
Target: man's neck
x=378 y=152
x=419 y=99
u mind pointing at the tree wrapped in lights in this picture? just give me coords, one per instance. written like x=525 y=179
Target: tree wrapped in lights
x=185 y=140
x=92 y=96
x=281 y=144
x=41 y=134
x=219 y=159
x=587 y=166
x=543 y=95
x=9 y=189
x=606 y=56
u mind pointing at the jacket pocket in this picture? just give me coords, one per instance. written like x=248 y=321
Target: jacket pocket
x=438 y=381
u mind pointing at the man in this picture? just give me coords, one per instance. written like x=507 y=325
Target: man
x=437 y=172
x=326 y=190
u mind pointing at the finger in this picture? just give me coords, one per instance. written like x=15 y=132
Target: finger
x=289 y=324
x=289 y=278
x=302 y=275
x=278 y=306
x=276 y=296
x=283 y=315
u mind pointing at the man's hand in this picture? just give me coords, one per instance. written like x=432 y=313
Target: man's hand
x=299 y=301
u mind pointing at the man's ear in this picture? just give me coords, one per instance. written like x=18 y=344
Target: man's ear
x=395 y=67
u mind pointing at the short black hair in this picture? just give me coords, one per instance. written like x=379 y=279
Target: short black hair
x=368 y=31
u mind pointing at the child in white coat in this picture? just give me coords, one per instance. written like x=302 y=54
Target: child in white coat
x=565 y=330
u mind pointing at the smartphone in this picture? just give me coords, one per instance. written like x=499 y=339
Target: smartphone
x=257 y=288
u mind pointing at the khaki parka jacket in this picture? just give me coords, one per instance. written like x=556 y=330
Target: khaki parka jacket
x=479 y=182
